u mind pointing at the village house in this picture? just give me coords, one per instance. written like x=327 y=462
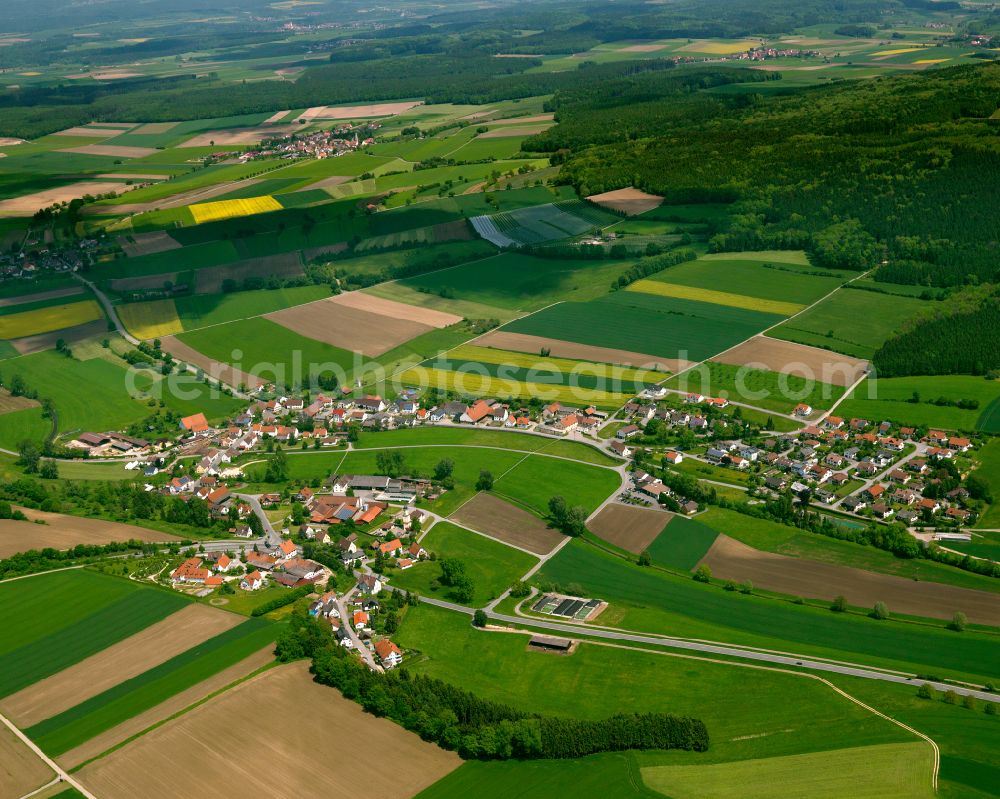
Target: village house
x=388 y=653
x=369 y=584
x=252 y=581
x=196 y=424
x=627 y=432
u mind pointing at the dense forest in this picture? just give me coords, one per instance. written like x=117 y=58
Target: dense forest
x=474 y=727
x=903 y=168
x=963 y=342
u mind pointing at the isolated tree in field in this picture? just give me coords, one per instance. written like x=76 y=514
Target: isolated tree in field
x=839 y=604
x=444 y=469
x=950 y=698
x=277 y=467
x=645 y=559
x=452 y=570
x=925 y=691
x=485 y=481
x=28 y=456
x=969 y=702
x=390 y=463
x=480 y=619
x=880 y=611
x=703 y=574
x=959 y=622
x=991 y=708
x=558 y=510
x=746 y=587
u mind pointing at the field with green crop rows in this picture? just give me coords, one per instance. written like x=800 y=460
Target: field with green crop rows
x=661 y=326
x=536 y=479
x=682 y=544
x=55 y=620
x=852 y=321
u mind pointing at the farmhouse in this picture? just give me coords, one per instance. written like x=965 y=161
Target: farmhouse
x=621 y=449
x=196 y=424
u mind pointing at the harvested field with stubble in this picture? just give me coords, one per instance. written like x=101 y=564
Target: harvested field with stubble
x=156 y=644
x=508 y=523
x=797 y=359
x=148 y=766
x=22 y=299
x=395 y=310
x=60 y=531
x=148 y=243
x=28 y=204
x=11 y=404
x=630 y=527
x=108 y=739
x=523 y=342
x=224 y=372
x=348 y=327
x=733 y=560
x=21 y=770
x=28 y=345
x=628 y=201
x=111 y=150
x=356 y=111
x=210 y=279
x=219 y=138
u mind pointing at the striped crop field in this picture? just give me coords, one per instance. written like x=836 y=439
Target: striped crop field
x=568 y=366
x=472 y=384
x=663 y=289
x=229 y=209
x=154 y=319
x=45 y=320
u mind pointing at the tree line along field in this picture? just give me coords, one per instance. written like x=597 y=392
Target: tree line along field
x=749 y=712
x=892 y=398
x=654 y=601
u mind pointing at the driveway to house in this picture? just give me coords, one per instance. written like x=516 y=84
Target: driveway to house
x=345 y=622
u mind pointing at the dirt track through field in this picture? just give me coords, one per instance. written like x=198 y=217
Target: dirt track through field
x=62 y=532
x=501 y=520
x=174 y=200
x=347 y=327
x=271 y=737
x=629 y=527
x=522 y=342
x=21 y=770
x=730 y=559
x=220 y=371
x=156 y=644
x=395 y=310
x=796 y=359
x=29 y=345
x=629 y=201
x=161 y=712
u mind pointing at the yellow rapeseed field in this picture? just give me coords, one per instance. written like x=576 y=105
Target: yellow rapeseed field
x=716 y=297
x=154 y=319
x=45 y=320
x=899 y=51
x=228 y=209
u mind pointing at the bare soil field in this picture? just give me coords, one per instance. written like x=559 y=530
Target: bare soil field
x=21 y=770
x=28 y=345
x=155 y=128
x=163 y=711
x=9 y=403
x=629 y=527
x=69 y=291
x=326 y=183
x=156 y=644
x=142 y=281
x=7 y=141
x=348 y=327
x=629 y=201
x=118 y=125
x=508 y=132
x=227 y=374
x=522 y=342
x=733 y=560
x=521 y=120
x=501 y=520
x=114 y=150
x=27 y=204
x=218 y=138
x=93 y=133
x=277 y=116
x=795 y=359
x=148 y=766
x=356 y=111
x=62 y=532
x=111 y=74
x=148 y=243
x=395 y=310
x=175 y=200
x=210 y=279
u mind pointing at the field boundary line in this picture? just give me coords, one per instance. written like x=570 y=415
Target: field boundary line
x=54 y=781
x=38 y=574
x=61 y=774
